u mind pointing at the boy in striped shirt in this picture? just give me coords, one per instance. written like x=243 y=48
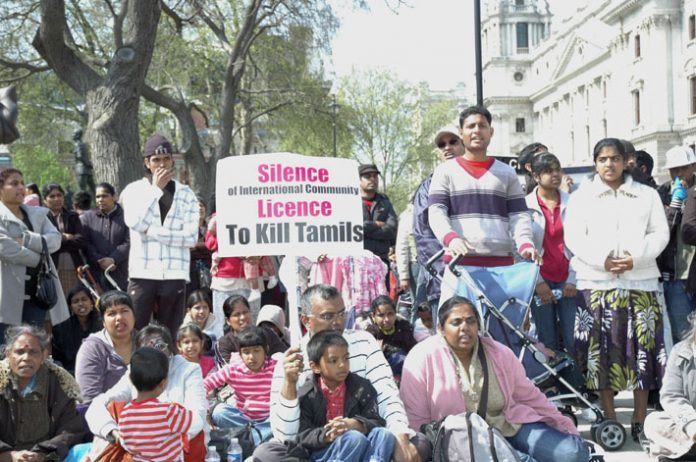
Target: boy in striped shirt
x=148 y=429
x=249 y=373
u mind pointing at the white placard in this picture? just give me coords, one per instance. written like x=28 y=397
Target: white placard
x=283 y=203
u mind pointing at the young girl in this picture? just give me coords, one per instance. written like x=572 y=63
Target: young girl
x=395 y=335
x=189 y=342
x=199 y=312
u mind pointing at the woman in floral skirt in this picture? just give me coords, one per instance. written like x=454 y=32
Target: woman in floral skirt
x=615 y=228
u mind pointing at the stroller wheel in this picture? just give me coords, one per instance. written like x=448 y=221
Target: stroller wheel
x=609 y=434
x=571 y=415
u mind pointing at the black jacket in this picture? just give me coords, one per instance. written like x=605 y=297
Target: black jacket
x=688 y=230
x=379 y=239
x=107 y=236
x=66 y=427
x=360 y=403
x=667 y=260
x=67 y=338
x=72 y=225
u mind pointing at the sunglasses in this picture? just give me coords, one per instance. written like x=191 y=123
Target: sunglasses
x=452 y=142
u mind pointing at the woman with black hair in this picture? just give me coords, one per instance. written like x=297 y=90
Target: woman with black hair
x=616 y=228
x=68 y=335
x=68 y=257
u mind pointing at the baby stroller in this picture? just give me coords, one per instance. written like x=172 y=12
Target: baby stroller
x=502 y=296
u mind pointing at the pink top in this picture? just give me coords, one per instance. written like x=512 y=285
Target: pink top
x=252 y=389
x=430 y=387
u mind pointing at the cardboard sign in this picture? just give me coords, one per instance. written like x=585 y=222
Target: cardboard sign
x=283 y=203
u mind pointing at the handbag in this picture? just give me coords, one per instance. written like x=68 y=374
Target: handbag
x=432 y=430
x=46 y=292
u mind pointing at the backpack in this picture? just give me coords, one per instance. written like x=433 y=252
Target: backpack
x=468 y=438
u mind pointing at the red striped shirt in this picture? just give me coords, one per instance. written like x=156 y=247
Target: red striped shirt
x=153 y=431
x=252 y=390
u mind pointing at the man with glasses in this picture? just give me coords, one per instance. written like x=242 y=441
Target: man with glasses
x=449 y=146
x=322 y=308
x=162 y=215
x=379 y=217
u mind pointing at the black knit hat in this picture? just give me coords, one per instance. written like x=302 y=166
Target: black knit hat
x=157 y=144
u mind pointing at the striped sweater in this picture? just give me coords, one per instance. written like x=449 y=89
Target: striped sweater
x=367 y=361
x=153 y=431
x=252 y=390
x=486 y=211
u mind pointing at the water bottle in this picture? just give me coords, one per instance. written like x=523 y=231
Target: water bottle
x=212 y=455
x=234 y=451
x=558 y=293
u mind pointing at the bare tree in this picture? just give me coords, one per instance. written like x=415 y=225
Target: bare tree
x=111 y=88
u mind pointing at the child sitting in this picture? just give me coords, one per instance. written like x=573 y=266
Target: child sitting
x=395 y=335
x=249 y=373
x=424 y=327
x=339 y=416
x=190 y=341
x=148 y=429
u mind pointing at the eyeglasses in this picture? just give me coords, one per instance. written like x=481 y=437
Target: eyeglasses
x=158 y=345
x=329 y=317
x=452 y=142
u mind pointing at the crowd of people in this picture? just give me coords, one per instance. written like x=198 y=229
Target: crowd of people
x=181 y=341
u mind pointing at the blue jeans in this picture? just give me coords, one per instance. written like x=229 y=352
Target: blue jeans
x=679 y=306
x=541 y=443
x=226 y=416
x=353 y=446
x=554 y=317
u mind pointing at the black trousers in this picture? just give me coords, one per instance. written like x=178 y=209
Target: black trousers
x=166 y=300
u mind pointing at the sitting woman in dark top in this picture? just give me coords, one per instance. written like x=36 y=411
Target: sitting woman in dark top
x=237 y=317
x=68 y=335
x=395 y=335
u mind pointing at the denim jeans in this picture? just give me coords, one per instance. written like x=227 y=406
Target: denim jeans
x=377 y=446
x=679 y=306
x=554 y=317
x=542 y=443
x=227 y=416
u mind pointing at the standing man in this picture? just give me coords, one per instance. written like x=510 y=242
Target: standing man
x=162 y=215
x=379 y=217
x=449 y=146
x=674 y=261
x=108 y=238
x=476 y=206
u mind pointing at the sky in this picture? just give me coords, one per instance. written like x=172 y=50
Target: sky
x=428 y=40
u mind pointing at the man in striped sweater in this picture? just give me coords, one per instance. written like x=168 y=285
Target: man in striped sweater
x=476 y=203
x=323 y=309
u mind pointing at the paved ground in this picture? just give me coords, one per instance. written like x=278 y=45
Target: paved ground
x=631 y=451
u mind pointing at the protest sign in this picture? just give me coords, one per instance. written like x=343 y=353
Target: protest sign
x=283 y=203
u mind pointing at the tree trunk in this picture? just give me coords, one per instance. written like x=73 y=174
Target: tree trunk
x=112 y=99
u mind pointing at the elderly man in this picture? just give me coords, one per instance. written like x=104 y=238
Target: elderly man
x=323 y=309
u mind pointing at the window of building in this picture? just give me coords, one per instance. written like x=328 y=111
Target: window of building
x=692 y=85
x=519 y=125
x=636 y=45
x=692 y=27
x=636 y=107
x=519 y=2
x=522 y=37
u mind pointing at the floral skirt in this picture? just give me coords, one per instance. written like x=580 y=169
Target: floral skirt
x=619 y=339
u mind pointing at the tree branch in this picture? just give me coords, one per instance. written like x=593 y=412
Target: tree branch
x=261 y=114
x=49 y=42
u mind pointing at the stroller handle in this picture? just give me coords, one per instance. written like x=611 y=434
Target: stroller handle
x=431 y=261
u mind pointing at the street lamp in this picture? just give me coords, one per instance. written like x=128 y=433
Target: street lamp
x=334 y=109
x=477 y=46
